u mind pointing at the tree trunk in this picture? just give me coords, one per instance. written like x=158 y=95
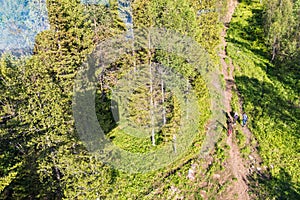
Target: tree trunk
x=274 y=49
x=187 y=99
x=163 y=102
x=151 y=93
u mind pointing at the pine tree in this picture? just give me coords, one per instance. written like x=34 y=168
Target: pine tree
x=12 y=100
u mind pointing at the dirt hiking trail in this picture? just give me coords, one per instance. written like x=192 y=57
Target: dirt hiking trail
x=235 y=163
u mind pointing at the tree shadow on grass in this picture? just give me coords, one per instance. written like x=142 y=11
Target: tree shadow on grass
x=267 y=102
x=248 y=2
x=264 y=95
x=287 y=72
x=251 y=35
x=262 y=186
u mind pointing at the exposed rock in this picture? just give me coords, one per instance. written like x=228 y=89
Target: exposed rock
x=258 y=168
x=192 y=171
x=174 y=190
x=216 y=176
x=203 y=193
x=179 y=197
x=191 y=174
x=203 y=184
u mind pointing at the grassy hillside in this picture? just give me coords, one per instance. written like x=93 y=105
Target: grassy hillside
x=270 y=94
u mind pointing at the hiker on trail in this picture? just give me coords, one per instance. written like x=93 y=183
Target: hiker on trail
x=245 y=118
x=229 y=124
x=230 y=128
x=235 y=118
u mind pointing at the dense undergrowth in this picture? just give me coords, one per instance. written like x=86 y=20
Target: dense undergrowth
x=270 y=95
